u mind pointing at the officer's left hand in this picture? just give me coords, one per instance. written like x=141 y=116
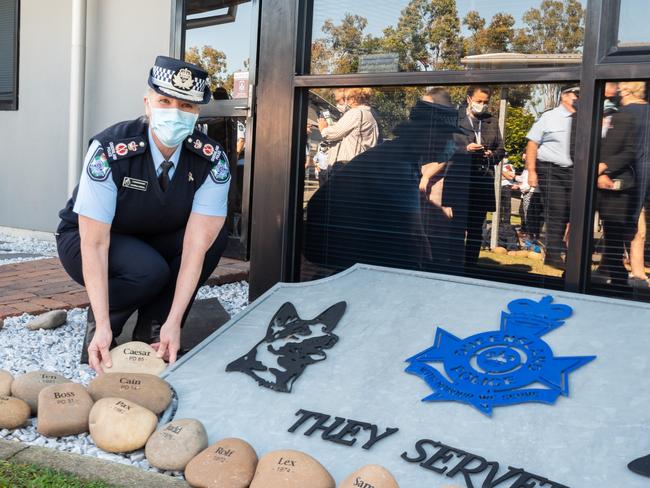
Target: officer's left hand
x=170 y=342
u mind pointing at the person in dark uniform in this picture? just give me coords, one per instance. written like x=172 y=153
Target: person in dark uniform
x=484 y=147
x=144 y=227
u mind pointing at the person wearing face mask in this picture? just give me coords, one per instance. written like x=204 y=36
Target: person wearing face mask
x=483 y=145
x=144 y=227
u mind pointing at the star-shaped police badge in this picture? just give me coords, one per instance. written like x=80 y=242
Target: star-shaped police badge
x=497 y=368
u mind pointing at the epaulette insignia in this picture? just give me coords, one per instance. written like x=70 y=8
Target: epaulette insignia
x=210 y=150
x=126 y=148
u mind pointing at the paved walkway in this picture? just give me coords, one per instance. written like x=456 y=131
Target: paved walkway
x=38 y=286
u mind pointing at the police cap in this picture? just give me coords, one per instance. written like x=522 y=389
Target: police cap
x=181 y=80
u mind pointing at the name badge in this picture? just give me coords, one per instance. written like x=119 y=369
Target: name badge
x=134 y=184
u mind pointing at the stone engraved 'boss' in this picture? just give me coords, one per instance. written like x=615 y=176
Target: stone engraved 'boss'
x=66 y=394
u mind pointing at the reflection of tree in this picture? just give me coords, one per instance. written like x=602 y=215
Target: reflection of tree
x=518 y=123
x=213 y=62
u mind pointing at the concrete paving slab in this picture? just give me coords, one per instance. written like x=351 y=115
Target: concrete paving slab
x=10 y=449
x=584 y=439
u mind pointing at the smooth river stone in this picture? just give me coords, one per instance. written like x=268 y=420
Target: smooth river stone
x=147 y=390
x=14 y=412
x=135 y=357
x=5 y=382
x=370 y=476
x=172 y=446
x=48 y=320
x=119 y=425
x=291 y=469
x=229 y=463
x=63 y=410
x=28 y=386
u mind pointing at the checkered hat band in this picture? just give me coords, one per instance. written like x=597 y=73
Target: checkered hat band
x=162 y=77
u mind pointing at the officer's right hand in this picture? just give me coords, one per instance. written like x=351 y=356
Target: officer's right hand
x=98 y=349
x=532 y=179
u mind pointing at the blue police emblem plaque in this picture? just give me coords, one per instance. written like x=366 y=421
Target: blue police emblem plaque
x=498 y=368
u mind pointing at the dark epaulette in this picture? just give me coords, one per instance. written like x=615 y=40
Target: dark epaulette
x=124 y=148
x=205 y=147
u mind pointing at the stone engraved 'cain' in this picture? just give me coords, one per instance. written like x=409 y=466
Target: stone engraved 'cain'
x=130 y=381
x=67 y=394
x=349 y=429
x=135 y=352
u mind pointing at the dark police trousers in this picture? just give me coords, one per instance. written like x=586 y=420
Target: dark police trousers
x=555 y=183
x=142 y=272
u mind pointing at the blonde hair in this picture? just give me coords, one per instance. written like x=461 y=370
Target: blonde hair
x=636 y=88
x=359 y=95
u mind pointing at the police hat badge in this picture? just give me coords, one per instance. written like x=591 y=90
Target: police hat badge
x=181 y=80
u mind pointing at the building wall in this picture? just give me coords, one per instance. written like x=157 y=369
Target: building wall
x=123 y=37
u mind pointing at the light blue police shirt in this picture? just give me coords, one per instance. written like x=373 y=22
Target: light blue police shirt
x=552 y=132
x=97 y=199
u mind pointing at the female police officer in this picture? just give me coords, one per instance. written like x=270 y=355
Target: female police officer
x=144 y=227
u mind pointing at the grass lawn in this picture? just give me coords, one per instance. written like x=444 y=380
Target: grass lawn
x=25 y=476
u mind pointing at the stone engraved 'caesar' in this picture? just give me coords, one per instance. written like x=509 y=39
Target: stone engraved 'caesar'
x=476 y=470
x=349 y=429
x=494 y=368
x=290 y=345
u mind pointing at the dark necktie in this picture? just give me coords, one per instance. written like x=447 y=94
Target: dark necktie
x=163 y=179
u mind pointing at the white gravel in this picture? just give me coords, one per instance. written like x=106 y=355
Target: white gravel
x=27 y=245
x=22 y=351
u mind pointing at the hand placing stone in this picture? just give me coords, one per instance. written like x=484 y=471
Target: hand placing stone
x=290 y=469
x=63 y=410
x=135 y=357
x=119 y=425
x=372 y=475
x=28 y=386
x=229 y=463
x=5 y=382
x=172 y=446
x=14 y=412
x=146 y=390
x=48 y=320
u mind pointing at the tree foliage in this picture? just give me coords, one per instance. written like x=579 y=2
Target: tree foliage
x=518 y=123
x=213 y=61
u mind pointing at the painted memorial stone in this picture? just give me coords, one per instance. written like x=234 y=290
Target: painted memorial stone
x=28 y=386
x=173 y=445
x=119 y=425
x=289 y=346
x=291 y=469
x=14 y=412
x=135 y=357
x=5 y=382
x=48 y=320
x=147 y=390
x=63 y=410
x=370 y=476
x=228 y=463
x=498 y=368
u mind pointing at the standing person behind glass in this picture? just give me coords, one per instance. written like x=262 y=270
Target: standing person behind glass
x=549 y=164
x=355 y=132
x=484 y=147
x=633 y=102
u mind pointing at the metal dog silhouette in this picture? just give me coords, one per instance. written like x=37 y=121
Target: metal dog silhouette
x=290 y=345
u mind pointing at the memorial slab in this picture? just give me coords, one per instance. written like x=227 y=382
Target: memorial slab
x=559 y=398
x=14 y=412
x=28 y=386
x=228 y=463
x=173 y=445
x=118 y=425
x=63 y=410
x=5 y=382
x=147 y=390
x=135 y=357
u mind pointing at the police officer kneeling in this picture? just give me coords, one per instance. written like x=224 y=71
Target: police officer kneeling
x=144 y=227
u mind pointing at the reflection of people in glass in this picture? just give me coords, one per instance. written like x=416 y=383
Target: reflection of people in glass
x=633 y=102
x=616 y=196
x=369 y=209
x=484 y=146
x=355 y=132
x=549 y=164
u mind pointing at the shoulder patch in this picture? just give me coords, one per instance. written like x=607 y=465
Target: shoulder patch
x=98 y=168
x=126 y=148
x=220 y=171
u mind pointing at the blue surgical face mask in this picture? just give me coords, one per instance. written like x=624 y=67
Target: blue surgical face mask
x=172 y=125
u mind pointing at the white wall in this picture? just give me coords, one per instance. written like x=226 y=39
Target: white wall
x=123 y=39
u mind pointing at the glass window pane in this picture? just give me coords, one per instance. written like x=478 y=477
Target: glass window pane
x=427 y=35
x=621 y=257
x=434 y=179
x=632 y=27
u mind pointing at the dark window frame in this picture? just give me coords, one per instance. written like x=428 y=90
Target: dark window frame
x=10 y=102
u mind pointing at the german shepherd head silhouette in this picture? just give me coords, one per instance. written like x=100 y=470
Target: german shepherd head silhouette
x=290 y=345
